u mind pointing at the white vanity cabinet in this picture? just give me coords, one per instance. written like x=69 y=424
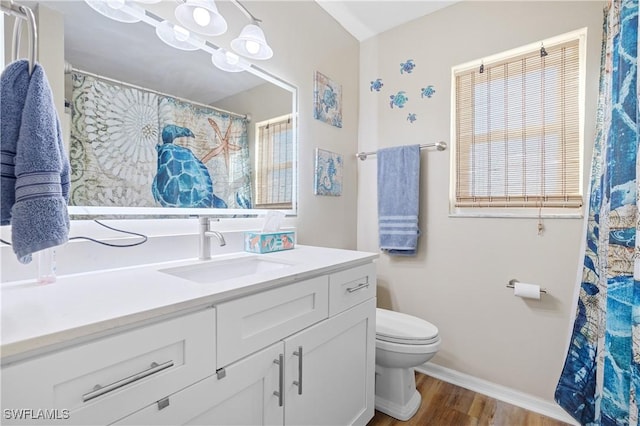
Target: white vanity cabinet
x=295 y=354
x=317 y=370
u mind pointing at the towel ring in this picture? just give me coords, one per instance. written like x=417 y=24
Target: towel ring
x=23 y=13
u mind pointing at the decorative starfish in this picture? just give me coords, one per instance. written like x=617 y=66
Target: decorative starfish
x=224 y=147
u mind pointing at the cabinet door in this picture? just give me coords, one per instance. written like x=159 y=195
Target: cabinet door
x=331 y=382
x=244 y=396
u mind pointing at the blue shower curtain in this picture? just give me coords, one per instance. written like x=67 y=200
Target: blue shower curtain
x=600 y=381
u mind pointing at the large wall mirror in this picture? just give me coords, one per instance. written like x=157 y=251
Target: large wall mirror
x=155 y=130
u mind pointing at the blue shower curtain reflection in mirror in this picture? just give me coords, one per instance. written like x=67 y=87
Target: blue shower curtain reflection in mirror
x=134 y=148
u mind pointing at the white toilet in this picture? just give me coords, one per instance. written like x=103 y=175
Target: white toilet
x=402 y=343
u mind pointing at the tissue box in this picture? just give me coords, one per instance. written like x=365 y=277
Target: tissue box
x=267 y=242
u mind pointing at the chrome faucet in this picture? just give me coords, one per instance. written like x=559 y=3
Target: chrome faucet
x=205 y=235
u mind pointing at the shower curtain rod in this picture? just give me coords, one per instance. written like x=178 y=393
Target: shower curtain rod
x=440 y=146
x=68 y=69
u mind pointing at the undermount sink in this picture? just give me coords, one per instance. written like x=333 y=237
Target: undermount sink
x=220 y=270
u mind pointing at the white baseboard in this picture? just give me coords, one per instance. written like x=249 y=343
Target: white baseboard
x=493 y=390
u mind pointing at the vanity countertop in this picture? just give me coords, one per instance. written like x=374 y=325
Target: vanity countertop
x=41 y=317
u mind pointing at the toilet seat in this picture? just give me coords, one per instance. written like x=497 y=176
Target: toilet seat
x=396 y=327
x=401 y=341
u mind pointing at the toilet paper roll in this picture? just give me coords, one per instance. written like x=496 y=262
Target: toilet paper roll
x=527 y=291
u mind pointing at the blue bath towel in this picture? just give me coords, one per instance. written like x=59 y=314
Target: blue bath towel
x=38 y=199
x=13 y=92
x=399 y=199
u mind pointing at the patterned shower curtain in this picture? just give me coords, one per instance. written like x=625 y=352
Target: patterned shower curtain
x=600 y=381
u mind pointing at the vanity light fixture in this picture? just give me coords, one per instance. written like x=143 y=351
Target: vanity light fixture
x=178 y=37
x=201 y=16
x=118 y=10
x=195 y=16
x=228 y=61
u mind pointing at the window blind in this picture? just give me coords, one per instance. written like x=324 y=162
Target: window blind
x=274 y=176
x=517 y=131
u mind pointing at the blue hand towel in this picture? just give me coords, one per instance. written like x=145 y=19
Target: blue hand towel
x=39 y=216
x=399 y=199
x=13 y=92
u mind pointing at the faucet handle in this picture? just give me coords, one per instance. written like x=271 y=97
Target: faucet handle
x=206 y=220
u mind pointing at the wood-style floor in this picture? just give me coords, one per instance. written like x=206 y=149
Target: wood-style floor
x=444 y=404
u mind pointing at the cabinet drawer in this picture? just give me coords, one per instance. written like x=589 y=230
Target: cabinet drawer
x=350 y=287
x=251 y=323
x=243 y=396
x=104 y=380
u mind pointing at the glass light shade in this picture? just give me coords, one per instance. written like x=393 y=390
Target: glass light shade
x=252 y=43
x=178 y=37
x=201 y=16
x=148 y=1
x=191 y=14
x=115 y=4
x=228 y=61
x=118 y=10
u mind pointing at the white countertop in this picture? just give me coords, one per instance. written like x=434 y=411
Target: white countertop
x=40 y=317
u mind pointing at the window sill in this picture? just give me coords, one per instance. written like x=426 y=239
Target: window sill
x=517 y=213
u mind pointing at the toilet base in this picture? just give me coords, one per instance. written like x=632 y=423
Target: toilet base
x=396 y=393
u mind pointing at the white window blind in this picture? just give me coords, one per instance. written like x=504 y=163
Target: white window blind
x=274 y=154
x=517 y=131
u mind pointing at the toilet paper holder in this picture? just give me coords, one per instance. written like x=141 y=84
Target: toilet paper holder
x=513 y=281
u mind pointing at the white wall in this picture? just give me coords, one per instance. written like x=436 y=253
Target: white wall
x=310 y=40
x=457 y=281
x=304 y=39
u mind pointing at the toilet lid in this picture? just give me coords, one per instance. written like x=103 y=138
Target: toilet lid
x=397 y=327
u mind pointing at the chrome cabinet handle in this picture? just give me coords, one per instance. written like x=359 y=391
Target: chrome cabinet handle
x=101 y=390
x=298 y=382
x=279 y=393
x=359 y=286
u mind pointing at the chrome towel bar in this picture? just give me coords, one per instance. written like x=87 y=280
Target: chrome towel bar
x=440 y=146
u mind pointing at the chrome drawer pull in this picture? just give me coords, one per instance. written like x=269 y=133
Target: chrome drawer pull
x=279 y=393
x=298 y=382
x=359 y=286
x=101 y=390
x=163 y=403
